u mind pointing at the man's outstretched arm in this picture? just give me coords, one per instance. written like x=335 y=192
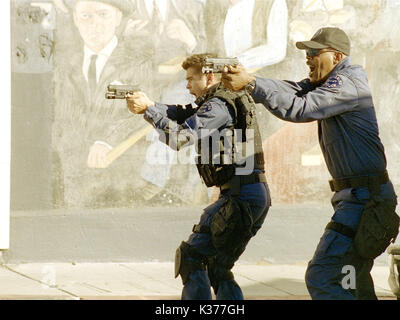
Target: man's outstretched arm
x=337 y=95
x=212 y=115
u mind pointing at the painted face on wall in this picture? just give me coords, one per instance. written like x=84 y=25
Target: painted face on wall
x=97 y=23
x=196 y=81
x=321 y=63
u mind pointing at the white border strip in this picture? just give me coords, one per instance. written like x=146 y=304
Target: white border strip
x=5 y=126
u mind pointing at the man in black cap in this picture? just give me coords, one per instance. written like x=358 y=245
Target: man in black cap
x=337 y=95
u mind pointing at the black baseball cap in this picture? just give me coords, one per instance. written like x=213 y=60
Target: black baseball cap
x=328 y=37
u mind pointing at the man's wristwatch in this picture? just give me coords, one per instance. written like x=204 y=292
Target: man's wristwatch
x=250 y=87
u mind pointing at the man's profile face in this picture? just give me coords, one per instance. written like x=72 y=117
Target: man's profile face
x=196 y=81
x=321 y=65
x=96 y=22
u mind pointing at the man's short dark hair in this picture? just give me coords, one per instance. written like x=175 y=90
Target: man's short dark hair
x=197 y=60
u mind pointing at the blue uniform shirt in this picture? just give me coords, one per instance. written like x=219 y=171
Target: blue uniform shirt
x=342 y=105
x=212 y=116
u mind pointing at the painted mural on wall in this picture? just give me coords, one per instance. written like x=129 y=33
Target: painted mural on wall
x=104 y=156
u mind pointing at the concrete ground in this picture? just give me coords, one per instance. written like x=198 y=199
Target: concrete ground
x=151 y=281
x=127 y=254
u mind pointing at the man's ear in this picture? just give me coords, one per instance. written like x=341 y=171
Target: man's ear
x=338 y=57
x=210 y=78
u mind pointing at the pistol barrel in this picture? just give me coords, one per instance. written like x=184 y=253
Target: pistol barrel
x=116 y=91
x=216 y=65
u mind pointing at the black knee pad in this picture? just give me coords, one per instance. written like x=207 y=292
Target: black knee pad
x=187 y=260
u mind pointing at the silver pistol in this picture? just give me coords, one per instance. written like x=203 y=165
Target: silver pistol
x=216 y=65
x=119 y=91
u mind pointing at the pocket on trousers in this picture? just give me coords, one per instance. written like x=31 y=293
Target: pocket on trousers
x=361 y=194
x=379 y=226
x=332 y=244
x=231 y=226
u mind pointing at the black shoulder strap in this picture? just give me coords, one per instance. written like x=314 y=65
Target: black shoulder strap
x=184 y=112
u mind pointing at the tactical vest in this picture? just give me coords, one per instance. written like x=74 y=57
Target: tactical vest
x=217 y=174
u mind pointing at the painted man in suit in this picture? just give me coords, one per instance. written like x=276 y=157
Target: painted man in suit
x=86 y=125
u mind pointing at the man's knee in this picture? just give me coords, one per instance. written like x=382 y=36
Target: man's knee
x=187 y=260
x=310 y=277
x=218 y=272
x=317 y=277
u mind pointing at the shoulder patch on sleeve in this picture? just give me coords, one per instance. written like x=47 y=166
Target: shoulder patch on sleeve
x=205 y=108
x=334 y=82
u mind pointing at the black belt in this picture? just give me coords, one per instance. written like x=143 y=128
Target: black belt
x=238 y=181
x=358 y=182
x=201 y=228
x=341 y=228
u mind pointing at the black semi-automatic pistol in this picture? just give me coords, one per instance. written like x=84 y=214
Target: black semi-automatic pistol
x=119 y=91
x=216 y=65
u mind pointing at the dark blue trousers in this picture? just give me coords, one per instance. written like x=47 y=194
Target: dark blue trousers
x=327 y=269
x=198 y=286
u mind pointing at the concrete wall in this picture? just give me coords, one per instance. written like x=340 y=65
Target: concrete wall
x=47 y=223
x=289 y=235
